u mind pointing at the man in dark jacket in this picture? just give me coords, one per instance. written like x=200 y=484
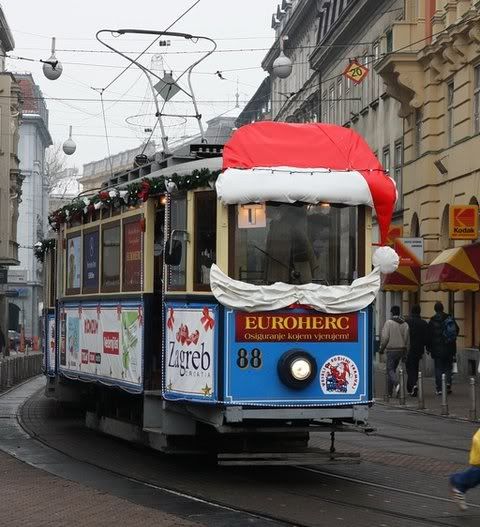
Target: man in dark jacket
x=418 y=341
x=442 y=349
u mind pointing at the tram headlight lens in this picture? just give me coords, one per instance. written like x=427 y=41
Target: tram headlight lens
x=301 y=369
x=297 y=368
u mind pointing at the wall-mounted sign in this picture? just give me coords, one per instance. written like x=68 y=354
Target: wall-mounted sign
x=410 y=251
x=395 y=230
x=463 y=224
x=356 y=72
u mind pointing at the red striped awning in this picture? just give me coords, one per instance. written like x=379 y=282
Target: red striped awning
x=403 y=279
x=455 y=269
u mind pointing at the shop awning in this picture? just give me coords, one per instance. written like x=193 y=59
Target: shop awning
x=403 y=279
x=455 y=269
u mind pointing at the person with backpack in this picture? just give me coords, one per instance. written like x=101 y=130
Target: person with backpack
x=396 y=341
x=468 y=479
x=418 y=340
x=443 y=332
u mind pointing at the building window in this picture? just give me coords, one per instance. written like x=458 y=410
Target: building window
x=324 y=107
x=331 y=104
x=376 y=50
x=397 y=167
x=389 y=41
x=476 y=100
x=386 y=158
x=348 y=102
x=340 y=100
x=450 y=92
x=418 y=132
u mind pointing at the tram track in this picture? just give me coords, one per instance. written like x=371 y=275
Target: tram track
x=301 y=490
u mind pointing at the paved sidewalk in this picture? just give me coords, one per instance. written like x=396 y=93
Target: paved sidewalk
x=34 y=498
x=459 y=401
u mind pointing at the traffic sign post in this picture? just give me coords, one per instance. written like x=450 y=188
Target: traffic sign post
x=356 y=72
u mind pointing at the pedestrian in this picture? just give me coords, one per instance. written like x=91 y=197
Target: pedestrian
x=396 y=341
x=468 y=479
x=418 y=340
x=442 y=345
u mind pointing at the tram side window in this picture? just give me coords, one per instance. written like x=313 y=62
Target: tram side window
x=205 y=238
x=74 y=264
x=178 y=222
x=111 y=258
x=90 y=260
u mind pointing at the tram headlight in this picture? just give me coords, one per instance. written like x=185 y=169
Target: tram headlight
x=297 y=368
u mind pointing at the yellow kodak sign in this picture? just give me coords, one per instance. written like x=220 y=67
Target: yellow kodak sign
x=463 y=222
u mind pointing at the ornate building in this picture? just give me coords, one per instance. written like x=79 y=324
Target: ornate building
x=435 y=75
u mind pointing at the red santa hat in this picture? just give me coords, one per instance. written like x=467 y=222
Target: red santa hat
x=312 y=163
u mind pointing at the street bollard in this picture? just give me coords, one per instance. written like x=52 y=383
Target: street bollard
x=386 y=397
x=421 y=393
x=401 y=380
x=444 y=395
x=473 y=399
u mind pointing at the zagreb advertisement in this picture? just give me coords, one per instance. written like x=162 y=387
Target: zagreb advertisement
x=338 y=344
x=103 y=342
x=190 y=356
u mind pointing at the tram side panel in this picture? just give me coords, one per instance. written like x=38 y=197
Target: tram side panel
x=216 y=355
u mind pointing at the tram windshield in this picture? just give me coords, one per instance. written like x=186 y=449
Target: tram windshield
x=296 y=244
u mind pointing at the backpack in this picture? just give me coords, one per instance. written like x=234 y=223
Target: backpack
x=449 y=330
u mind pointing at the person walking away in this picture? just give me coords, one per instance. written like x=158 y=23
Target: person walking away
x=461 y=482
x=396 y=341
x=443 y=332
x=418 y=340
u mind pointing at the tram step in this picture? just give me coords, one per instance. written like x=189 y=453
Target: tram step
x=314 y=457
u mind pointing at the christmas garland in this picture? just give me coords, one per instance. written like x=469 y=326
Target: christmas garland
x=40 y=249
x=131 y=194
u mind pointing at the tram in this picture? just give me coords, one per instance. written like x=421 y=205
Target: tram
x=225 y=300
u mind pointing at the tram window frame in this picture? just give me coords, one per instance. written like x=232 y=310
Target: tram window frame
x=111 y=288
x=181 y=224
x=71 y=236
x=91 y=289
x=137 y=218
x=200 y=200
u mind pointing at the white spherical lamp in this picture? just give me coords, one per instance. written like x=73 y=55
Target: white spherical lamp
x=282 y=66
x=69 y=145
x=52 y=68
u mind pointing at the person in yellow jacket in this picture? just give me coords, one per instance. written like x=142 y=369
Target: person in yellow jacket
x=470 y=478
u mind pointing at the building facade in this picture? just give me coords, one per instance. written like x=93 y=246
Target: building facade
x=25 y=281
x=322 y=38
x=436 y=79
x=10 y=177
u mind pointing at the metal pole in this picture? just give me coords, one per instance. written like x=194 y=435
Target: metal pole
x=473 y=399
x=386 y=397
x=421 y=393
x=401 y=380
x=444 y=395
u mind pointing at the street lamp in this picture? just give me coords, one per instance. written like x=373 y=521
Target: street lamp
x=52 y=68
x=282 y=65
x=69 y=145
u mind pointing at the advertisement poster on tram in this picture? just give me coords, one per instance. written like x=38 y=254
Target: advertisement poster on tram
x=132 y=247
x=105 y=342
x=50 y=344
x=73 y=263
x=338 y=347
x=90 y=260
x=190 y=351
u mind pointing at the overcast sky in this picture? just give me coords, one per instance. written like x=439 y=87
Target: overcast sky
x=234 y=24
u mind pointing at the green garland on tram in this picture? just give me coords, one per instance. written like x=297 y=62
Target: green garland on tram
x=131 y=195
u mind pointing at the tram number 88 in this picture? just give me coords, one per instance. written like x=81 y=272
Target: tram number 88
x=244 y=359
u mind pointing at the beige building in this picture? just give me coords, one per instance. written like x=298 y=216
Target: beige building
x=10 y=179
x=435 y=76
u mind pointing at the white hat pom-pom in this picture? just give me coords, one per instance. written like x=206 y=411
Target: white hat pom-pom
x=386 y=259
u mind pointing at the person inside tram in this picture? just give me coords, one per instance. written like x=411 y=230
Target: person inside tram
x=289 y=253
